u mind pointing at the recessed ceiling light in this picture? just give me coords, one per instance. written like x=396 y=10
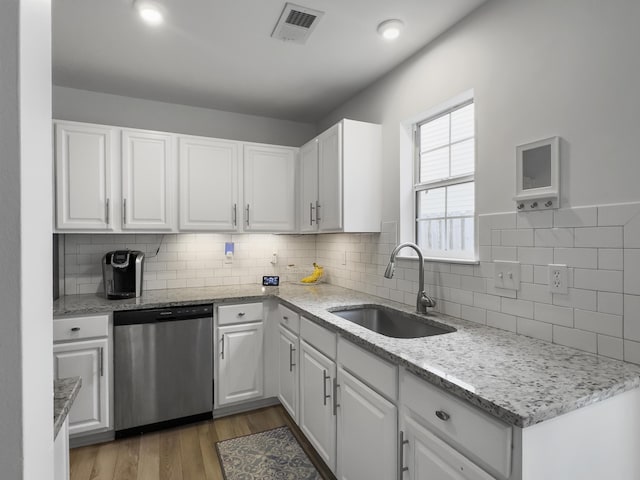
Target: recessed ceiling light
x=390 y=29
x=150 y=12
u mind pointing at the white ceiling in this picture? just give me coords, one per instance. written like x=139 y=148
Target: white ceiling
x=219 y=53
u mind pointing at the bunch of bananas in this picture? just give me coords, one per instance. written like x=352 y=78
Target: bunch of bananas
x=318 y=271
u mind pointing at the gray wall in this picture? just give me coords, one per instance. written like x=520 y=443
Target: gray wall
x=85 y=106
x=537 y=68
x=26 y=337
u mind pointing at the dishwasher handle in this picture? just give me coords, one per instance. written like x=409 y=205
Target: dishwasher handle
x=156 y=315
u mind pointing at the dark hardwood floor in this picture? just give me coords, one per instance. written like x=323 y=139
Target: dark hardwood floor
x=183 y=453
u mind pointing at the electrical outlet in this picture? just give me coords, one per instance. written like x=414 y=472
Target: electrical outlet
x=558 y=278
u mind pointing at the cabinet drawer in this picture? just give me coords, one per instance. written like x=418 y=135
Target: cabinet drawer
x=289 y=319
x=379 y=374
x=483 y=438
x=321 y=338
x=245 y=312
x=76 y=328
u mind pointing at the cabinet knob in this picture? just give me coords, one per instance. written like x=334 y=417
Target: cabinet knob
x=75 y=329
x=442 y=415
x=241 y=314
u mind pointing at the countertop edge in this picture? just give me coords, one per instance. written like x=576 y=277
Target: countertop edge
x=540 y=414
x=65 y=391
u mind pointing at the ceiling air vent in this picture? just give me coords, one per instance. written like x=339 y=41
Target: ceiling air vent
x=296 y=23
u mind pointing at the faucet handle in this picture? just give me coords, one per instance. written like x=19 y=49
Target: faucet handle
x=427 y=301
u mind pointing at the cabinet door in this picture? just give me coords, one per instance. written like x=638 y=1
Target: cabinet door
x=269 y=188
x=426 y=457
x=308 y=186
x=148 y=164
x=288 y=371
x=240 y=363
x=84 y=159
x=367 y=426
x=208 y=184
x=330 y=179
x=88 y=360
x=317 y=420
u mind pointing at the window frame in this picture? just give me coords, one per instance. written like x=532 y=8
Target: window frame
x=417 y=186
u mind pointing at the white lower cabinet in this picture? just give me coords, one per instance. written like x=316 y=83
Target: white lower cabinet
x=367 y=426
x=317 y=420
x=447 y=435
x=426 y=457
x=288 y=370
x=239 y=353
x=78 y=353
x=240 y=363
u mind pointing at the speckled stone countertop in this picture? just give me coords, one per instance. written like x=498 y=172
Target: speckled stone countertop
x=521 y=380
x=65 y=391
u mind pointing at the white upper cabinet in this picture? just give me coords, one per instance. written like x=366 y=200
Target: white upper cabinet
x=346 y=179
x=113 y=179
x=330 y=182
x=208 y=184
x=309 y=186
x=84 y=161
x=269 y=188
x=148 y=164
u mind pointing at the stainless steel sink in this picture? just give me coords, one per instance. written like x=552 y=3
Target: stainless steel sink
x=391 y=322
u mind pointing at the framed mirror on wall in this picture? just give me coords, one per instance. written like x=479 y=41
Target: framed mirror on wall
x=538 y=175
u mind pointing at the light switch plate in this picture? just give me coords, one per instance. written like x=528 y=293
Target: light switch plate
x=507 y=275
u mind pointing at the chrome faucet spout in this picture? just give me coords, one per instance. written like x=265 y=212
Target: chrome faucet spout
x=423 y=301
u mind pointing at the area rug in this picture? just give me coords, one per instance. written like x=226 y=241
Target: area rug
x=274 y=454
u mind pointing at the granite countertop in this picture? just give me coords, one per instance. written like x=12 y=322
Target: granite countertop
x=65 y=391
x=521 y=380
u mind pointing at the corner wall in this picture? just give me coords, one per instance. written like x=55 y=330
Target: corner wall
x=26 y=332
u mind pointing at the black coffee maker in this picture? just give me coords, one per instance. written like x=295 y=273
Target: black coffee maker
x=122 y=273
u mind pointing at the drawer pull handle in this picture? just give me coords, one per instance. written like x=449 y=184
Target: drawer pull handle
x=442 y=415
x=241 y=314
x=75 y=329
x=285 y=318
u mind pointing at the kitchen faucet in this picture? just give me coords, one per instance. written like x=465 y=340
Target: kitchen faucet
x=423 y=301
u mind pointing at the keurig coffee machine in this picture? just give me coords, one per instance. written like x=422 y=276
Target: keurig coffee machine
x=122 y=273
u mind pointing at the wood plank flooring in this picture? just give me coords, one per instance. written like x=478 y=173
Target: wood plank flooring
x=183 y=453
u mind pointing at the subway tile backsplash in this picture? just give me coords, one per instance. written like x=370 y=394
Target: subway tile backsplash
x=599 y=244
x=188 y=260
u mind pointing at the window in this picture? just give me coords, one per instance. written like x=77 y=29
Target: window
x=444 y=185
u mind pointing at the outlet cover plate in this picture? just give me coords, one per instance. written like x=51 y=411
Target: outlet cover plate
x=558 y=278
x=507 y=275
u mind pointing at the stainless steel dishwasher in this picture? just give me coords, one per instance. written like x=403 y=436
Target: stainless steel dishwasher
x=163 y=371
